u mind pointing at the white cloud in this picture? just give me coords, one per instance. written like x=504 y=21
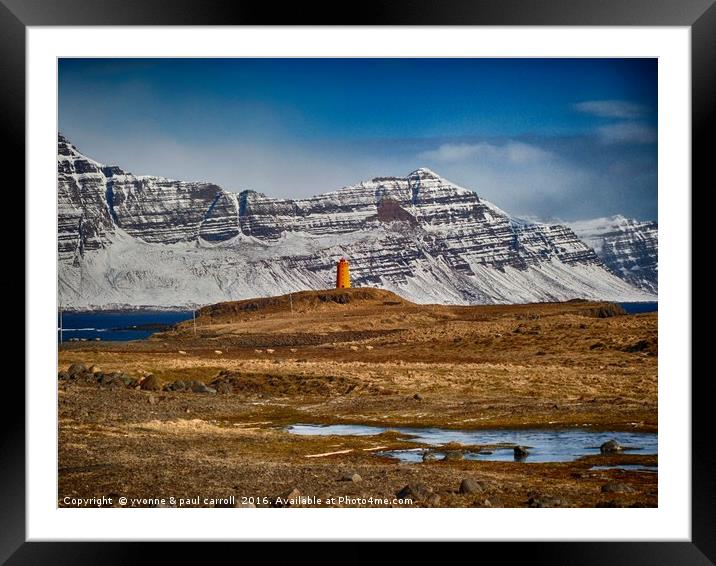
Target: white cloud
x=612 y=108
x=522 y=178
x=510 y=152
x=627 y=132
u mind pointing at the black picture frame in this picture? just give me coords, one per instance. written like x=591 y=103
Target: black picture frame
x=699 y=15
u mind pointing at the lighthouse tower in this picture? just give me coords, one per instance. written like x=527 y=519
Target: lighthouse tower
x=343 y=275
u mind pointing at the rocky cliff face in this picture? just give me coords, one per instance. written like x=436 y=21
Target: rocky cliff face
x=142 y=240
x=628 y=247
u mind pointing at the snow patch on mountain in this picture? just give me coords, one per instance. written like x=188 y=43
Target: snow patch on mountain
x=628 y=247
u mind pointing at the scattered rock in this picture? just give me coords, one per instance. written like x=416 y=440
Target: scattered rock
x=63 y=375
x=418 y=397
x=270 y=350
x=286 y=500
x=218 y=352
x=434 y=500
x=453 y=455
x=351 y=476
x=293 y=350
x=152 y=400
x=120 y=380
x=469 y=485
x=611 y=447
x=178 y=385
x=95 y=369
x=539 y=501
x=415 y=491
x=199 y=387
x=520 y=452
x=223 y=388
x=152 y=383
x=115 y=379
x=76 y=369
x=616 y=487
x=182 y=352
x=259 y=351
x=294 y=493
x=638 y=346
x=354 y=348
x=429 y=457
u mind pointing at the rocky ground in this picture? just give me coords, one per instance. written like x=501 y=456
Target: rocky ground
x=198 y=414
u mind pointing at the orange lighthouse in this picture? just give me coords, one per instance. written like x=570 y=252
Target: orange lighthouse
x=343 y=275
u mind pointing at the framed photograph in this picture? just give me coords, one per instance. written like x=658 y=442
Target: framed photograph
x=425 y=278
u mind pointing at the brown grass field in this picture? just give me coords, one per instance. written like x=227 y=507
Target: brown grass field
x=357 y=356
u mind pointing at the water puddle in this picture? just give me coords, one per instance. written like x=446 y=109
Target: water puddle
x=543 y=445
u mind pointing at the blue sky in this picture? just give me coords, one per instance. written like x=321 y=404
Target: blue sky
x=550 y=138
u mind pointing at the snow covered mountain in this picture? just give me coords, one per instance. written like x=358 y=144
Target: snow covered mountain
x=128 y=240
x=628 y=247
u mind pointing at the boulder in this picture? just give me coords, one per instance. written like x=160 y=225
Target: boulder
x=223 y=387
x=63 y=375
x=540 y=501
x=433 y=500
x=115 y=379
x=453 y=455
x=469 y=485
x=352 y=477
x=611 y=447
x=429 y=457
x=285 y=500
x=520 y=452
x=152 y=383
x=415 y=492
x=76 y=369
x=199 y=387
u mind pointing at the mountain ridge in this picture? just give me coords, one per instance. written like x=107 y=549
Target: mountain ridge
x=128 y=239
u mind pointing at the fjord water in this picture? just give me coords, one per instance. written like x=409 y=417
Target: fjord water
x=546 y=445
x=636 y=308
x=116 y=325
